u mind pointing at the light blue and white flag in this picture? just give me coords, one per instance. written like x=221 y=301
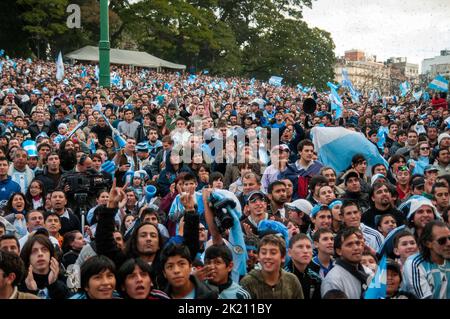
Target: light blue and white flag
x=98 y=106
x=345 y=79
x=168 y=87
x=128 y=84
x=205 y=72
x=337 y=145
x=1 y=67
x=31 y=147
x=404 y=88
x=426 y=97
x=97 y=72
x=59 y=67
x=439 y=83
x=275 y=80
x=378 y=285
x=333 y=86
x=192 y=78
x=2 y=53
x=382 y=131
x=417 y=95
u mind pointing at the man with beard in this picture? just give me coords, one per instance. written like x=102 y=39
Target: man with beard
x=51 y=174
x=277 y=196
x=67 y=155
x=382 y=205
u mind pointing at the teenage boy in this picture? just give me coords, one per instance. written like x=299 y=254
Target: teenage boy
x=219 y=260
x=177 y=265
x=271 y=281
x=324 y=243
x=301 y=252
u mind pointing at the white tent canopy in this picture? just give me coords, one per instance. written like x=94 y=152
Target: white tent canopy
x=126 y=57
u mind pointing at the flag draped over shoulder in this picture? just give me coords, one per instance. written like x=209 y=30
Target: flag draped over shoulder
x=59 y=67
x=337 y=145
x=378 y=285
x=439 y=83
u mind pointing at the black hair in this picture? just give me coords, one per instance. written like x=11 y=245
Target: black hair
x=320 y=231
x=68 y=239
x=131 y=248
x=27 y=248
x=219 y=251
x=94 y=266
x=273 y=184
x=349 y=202
x=215 y=176
x=427 y=236
x=436 y=185
x=304 y=143
x=50 y=213
x=11 y=263
x=10 y=236
x=172 y=250
x=9 y=208
x=127 y=269
x=343 y=234
x=335 y=294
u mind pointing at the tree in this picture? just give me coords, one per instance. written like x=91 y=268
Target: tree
x=42 y=20
x=13 y=39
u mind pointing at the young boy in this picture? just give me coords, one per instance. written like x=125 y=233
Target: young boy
x=271 y=282
x=405 y=245
x=177 y=265
x=219 y=260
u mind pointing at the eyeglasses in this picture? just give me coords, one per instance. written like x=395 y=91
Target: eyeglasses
x=443 y=240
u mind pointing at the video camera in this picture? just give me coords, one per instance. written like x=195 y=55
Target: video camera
x=89 y=182
x=222 y=218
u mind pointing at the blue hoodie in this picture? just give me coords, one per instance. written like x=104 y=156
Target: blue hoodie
x=7 y=187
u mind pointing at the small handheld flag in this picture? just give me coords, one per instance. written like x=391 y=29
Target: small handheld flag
x=377 y=287
x=59 y=67
x=275 y=80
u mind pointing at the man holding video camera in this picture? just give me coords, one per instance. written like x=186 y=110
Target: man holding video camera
x=82 y=184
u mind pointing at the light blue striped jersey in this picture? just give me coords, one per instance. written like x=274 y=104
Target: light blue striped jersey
x=426 y=279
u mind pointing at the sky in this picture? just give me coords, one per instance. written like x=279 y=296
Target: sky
x=416 y=29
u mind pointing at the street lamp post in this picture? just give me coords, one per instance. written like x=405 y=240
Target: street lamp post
x=104 y=76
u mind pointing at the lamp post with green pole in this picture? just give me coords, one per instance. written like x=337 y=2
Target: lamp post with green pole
x=104 y=76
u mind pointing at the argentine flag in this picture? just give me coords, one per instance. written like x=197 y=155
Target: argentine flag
x=417 y=95
x=337 y=145
x=404 y=88
x=275 y=80
x=439 y=83
x=59 y=67
x=378 y=285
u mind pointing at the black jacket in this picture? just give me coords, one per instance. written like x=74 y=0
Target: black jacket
x=370 y=216
x=102 y=133
x=50 y=181
x=310 y=280
x=202 y=290
x=34 y=130
x=57 y=290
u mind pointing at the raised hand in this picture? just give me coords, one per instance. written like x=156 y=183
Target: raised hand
x=54 y=271
x=29 y=280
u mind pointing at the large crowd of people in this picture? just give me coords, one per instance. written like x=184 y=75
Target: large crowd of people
x=171 y=185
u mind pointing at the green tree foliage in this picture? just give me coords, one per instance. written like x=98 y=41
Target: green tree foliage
x=254 y=38
x=43 y=21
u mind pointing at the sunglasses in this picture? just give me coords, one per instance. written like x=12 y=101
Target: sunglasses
x=443 y=240
x=424 y=148
x=255 y=199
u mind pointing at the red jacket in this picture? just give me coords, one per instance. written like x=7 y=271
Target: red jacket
x=439 y=103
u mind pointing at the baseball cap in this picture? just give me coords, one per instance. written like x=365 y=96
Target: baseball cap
x=350 y=173
x=316 y=209
x=62 y=125
x=431 y=168
x=281 y=147
x=299 y=205
x=254 y=194
x=375 y=178
x=417 y=182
